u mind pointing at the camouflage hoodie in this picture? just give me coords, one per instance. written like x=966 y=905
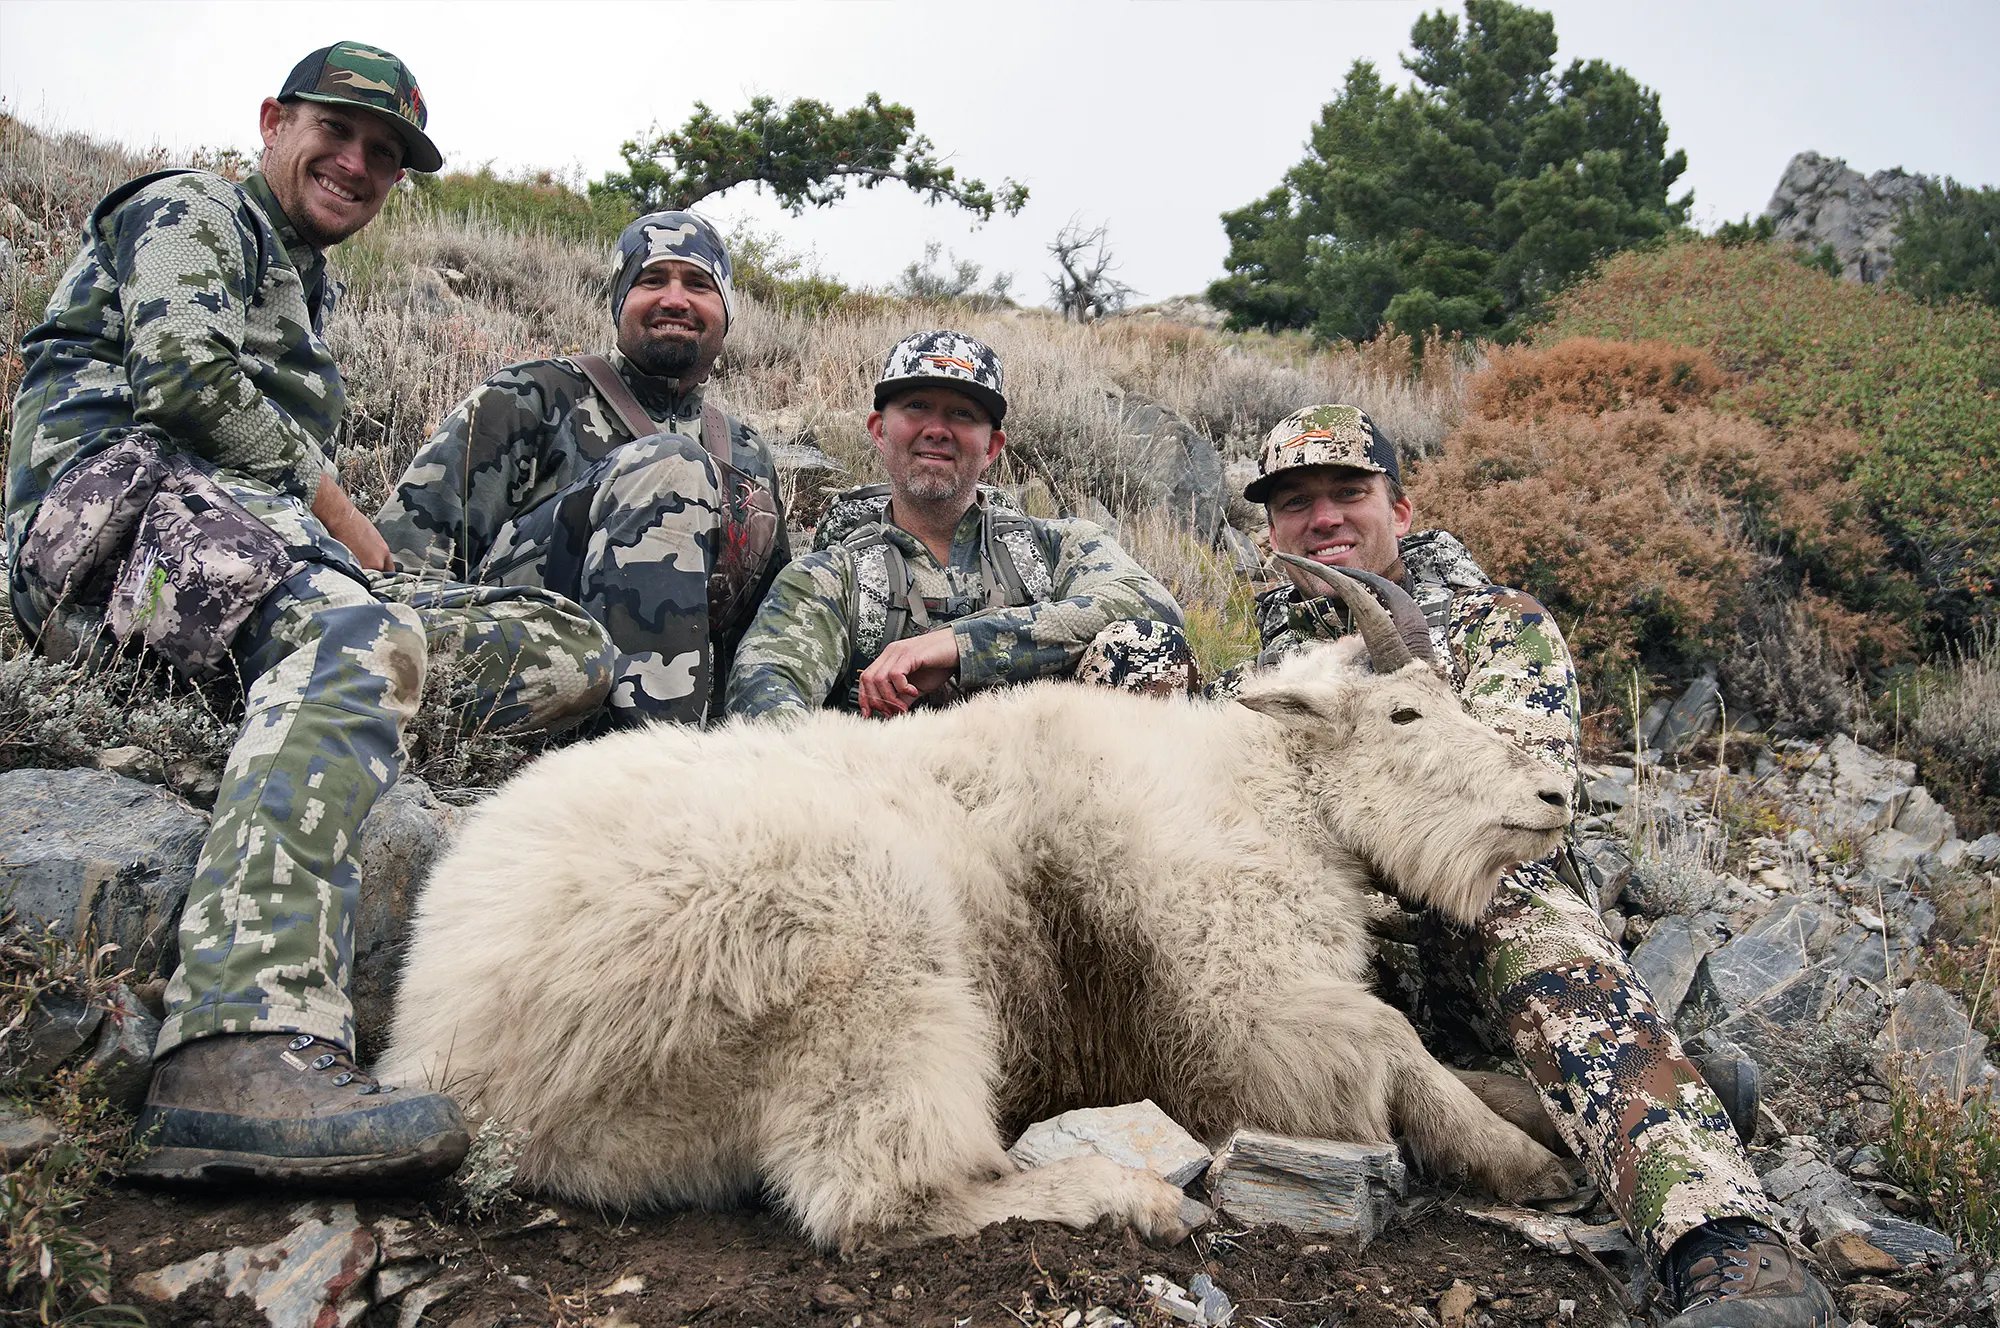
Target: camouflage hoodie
x=194 y=312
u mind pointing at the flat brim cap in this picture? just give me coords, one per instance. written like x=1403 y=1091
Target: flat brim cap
x=352 y=74
x=944 y=359
x=1333 y=435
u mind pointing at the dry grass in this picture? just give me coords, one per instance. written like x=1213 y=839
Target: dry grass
x=1951 y=728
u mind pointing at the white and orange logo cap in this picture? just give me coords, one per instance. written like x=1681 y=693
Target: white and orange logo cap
x=944 y=359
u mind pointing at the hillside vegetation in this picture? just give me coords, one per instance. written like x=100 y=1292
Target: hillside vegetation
x=1707 y=456
x=1918 y=384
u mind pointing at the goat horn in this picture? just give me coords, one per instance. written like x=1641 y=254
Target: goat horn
x=1395 y=635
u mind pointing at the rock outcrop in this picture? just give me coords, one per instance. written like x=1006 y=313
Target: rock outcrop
x=1822 y=200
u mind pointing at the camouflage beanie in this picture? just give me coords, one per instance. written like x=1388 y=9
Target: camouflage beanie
x=671 y=237
x=1322 y=436
x=944 y=359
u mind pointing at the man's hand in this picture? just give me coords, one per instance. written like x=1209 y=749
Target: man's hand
x=908 y=669
x=343 y=520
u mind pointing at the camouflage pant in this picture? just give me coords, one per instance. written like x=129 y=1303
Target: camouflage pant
x=1540 y=978
x=630 y=541
x=1140 y=655
x=333 y=670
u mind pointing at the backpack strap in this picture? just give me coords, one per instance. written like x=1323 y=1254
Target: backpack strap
x=715 y=432
x=999 y=574
x=619 y=397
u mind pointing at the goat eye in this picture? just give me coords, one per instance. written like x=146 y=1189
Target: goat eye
x=1404 y=715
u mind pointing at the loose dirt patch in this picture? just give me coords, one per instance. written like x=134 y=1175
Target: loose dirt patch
x=750 y=1268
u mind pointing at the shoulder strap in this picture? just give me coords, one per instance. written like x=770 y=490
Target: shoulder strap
x=616 y=395
x=715 y=432
x=1000 y=575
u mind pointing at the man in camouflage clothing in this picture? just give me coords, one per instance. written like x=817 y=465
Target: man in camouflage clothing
x=930 y=586
x=540 y=478
x=171 y=437
x=1539 y=972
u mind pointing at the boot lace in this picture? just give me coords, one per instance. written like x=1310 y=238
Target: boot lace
x=1712 y=1264
x=341 y=1062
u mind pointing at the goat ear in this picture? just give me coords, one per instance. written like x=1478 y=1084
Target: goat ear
x=1295 y=706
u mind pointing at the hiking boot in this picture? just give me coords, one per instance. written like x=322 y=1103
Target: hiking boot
x=290 y=1109
x=1739 y=1083
x=1738 y=1274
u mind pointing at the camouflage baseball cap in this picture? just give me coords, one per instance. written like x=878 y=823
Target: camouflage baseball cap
x=1322 y=436
x=944 y=359
x=350 y=74
x=671 y=237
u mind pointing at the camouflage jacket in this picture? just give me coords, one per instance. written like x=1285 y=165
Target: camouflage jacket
x=1506 y=654
x=805 y=650
x=523 y=436
x=194 y=312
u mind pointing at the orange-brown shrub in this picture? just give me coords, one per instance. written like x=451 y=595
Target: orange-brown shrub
x=1649 y=533
x=1591 y=376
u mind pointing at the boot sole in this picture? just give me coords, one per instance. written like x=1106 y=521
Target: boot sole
x=433 y=1159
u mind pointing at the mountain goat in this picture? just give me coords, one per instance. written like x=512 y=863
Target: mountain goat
x=827 y=961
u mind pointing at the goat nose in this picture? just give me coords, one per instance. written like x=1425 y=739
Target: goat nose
x=1553 y=798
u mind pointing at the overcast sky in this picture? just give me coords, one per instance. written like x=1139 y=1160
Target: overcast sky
x=1150 y=117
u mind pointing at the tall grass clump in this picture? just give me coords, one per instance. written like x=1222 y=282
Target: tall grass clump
x=542 y=202
x=1946 y=717
x=1218 y=601
x=50 y=1271
x=1918 y=383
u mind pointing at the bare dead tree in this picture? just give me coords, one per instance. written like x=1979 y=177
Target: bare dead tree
x=1084 y=289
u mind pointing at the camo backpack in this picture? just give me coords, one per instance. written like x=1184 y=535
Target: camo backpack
x=1013 y=569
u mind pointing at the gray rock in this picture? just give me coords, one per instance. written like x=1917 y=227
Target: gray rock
x=137 y=763
x=1667 y=961
x=1308 y=1184
x=1827 y=1202
x=121 y=1062
x=315 y=1276
x=1923 y=817
x=1606 y=793
x=405 y=832
x=23 y=1137
x=1986 y=848
x=1244 y=559
x=57 y=1029
x=1738 y=975
x=1806 y=922
x=1163 y=461
x=1556 y=1233
x=1137 y=1135
x=1930 y=1039
x=1609 y=866
x=1689 y=718
x=1909 y=1243
x=1822 y=201
x=96 y=853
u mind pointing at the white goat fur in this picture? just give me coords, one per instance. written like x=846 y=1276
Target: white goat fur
x=828 y=960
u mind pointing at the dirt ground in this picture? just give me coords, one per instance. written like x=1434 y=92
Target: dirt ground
x=750 y=1268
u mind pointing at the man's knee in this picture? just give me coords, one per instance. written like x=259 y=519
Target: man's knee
x=1141 y=655
x=323 y=638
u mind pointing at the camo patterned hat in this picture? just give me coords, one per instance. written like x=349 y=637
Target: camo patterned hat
x=948 y=359
x=671 y=237
x=350 y=74
x=1322 y=436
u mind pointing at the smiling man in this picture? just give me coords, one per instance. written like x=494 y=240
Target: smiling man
x=1538 y=976
x=612 y=482
x=169 y=483
x=931 y=586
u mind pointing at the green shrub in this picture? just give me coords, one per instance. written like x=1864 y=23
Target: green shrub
x=1593 y=476
x=1919 y=384
x=533 y=201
